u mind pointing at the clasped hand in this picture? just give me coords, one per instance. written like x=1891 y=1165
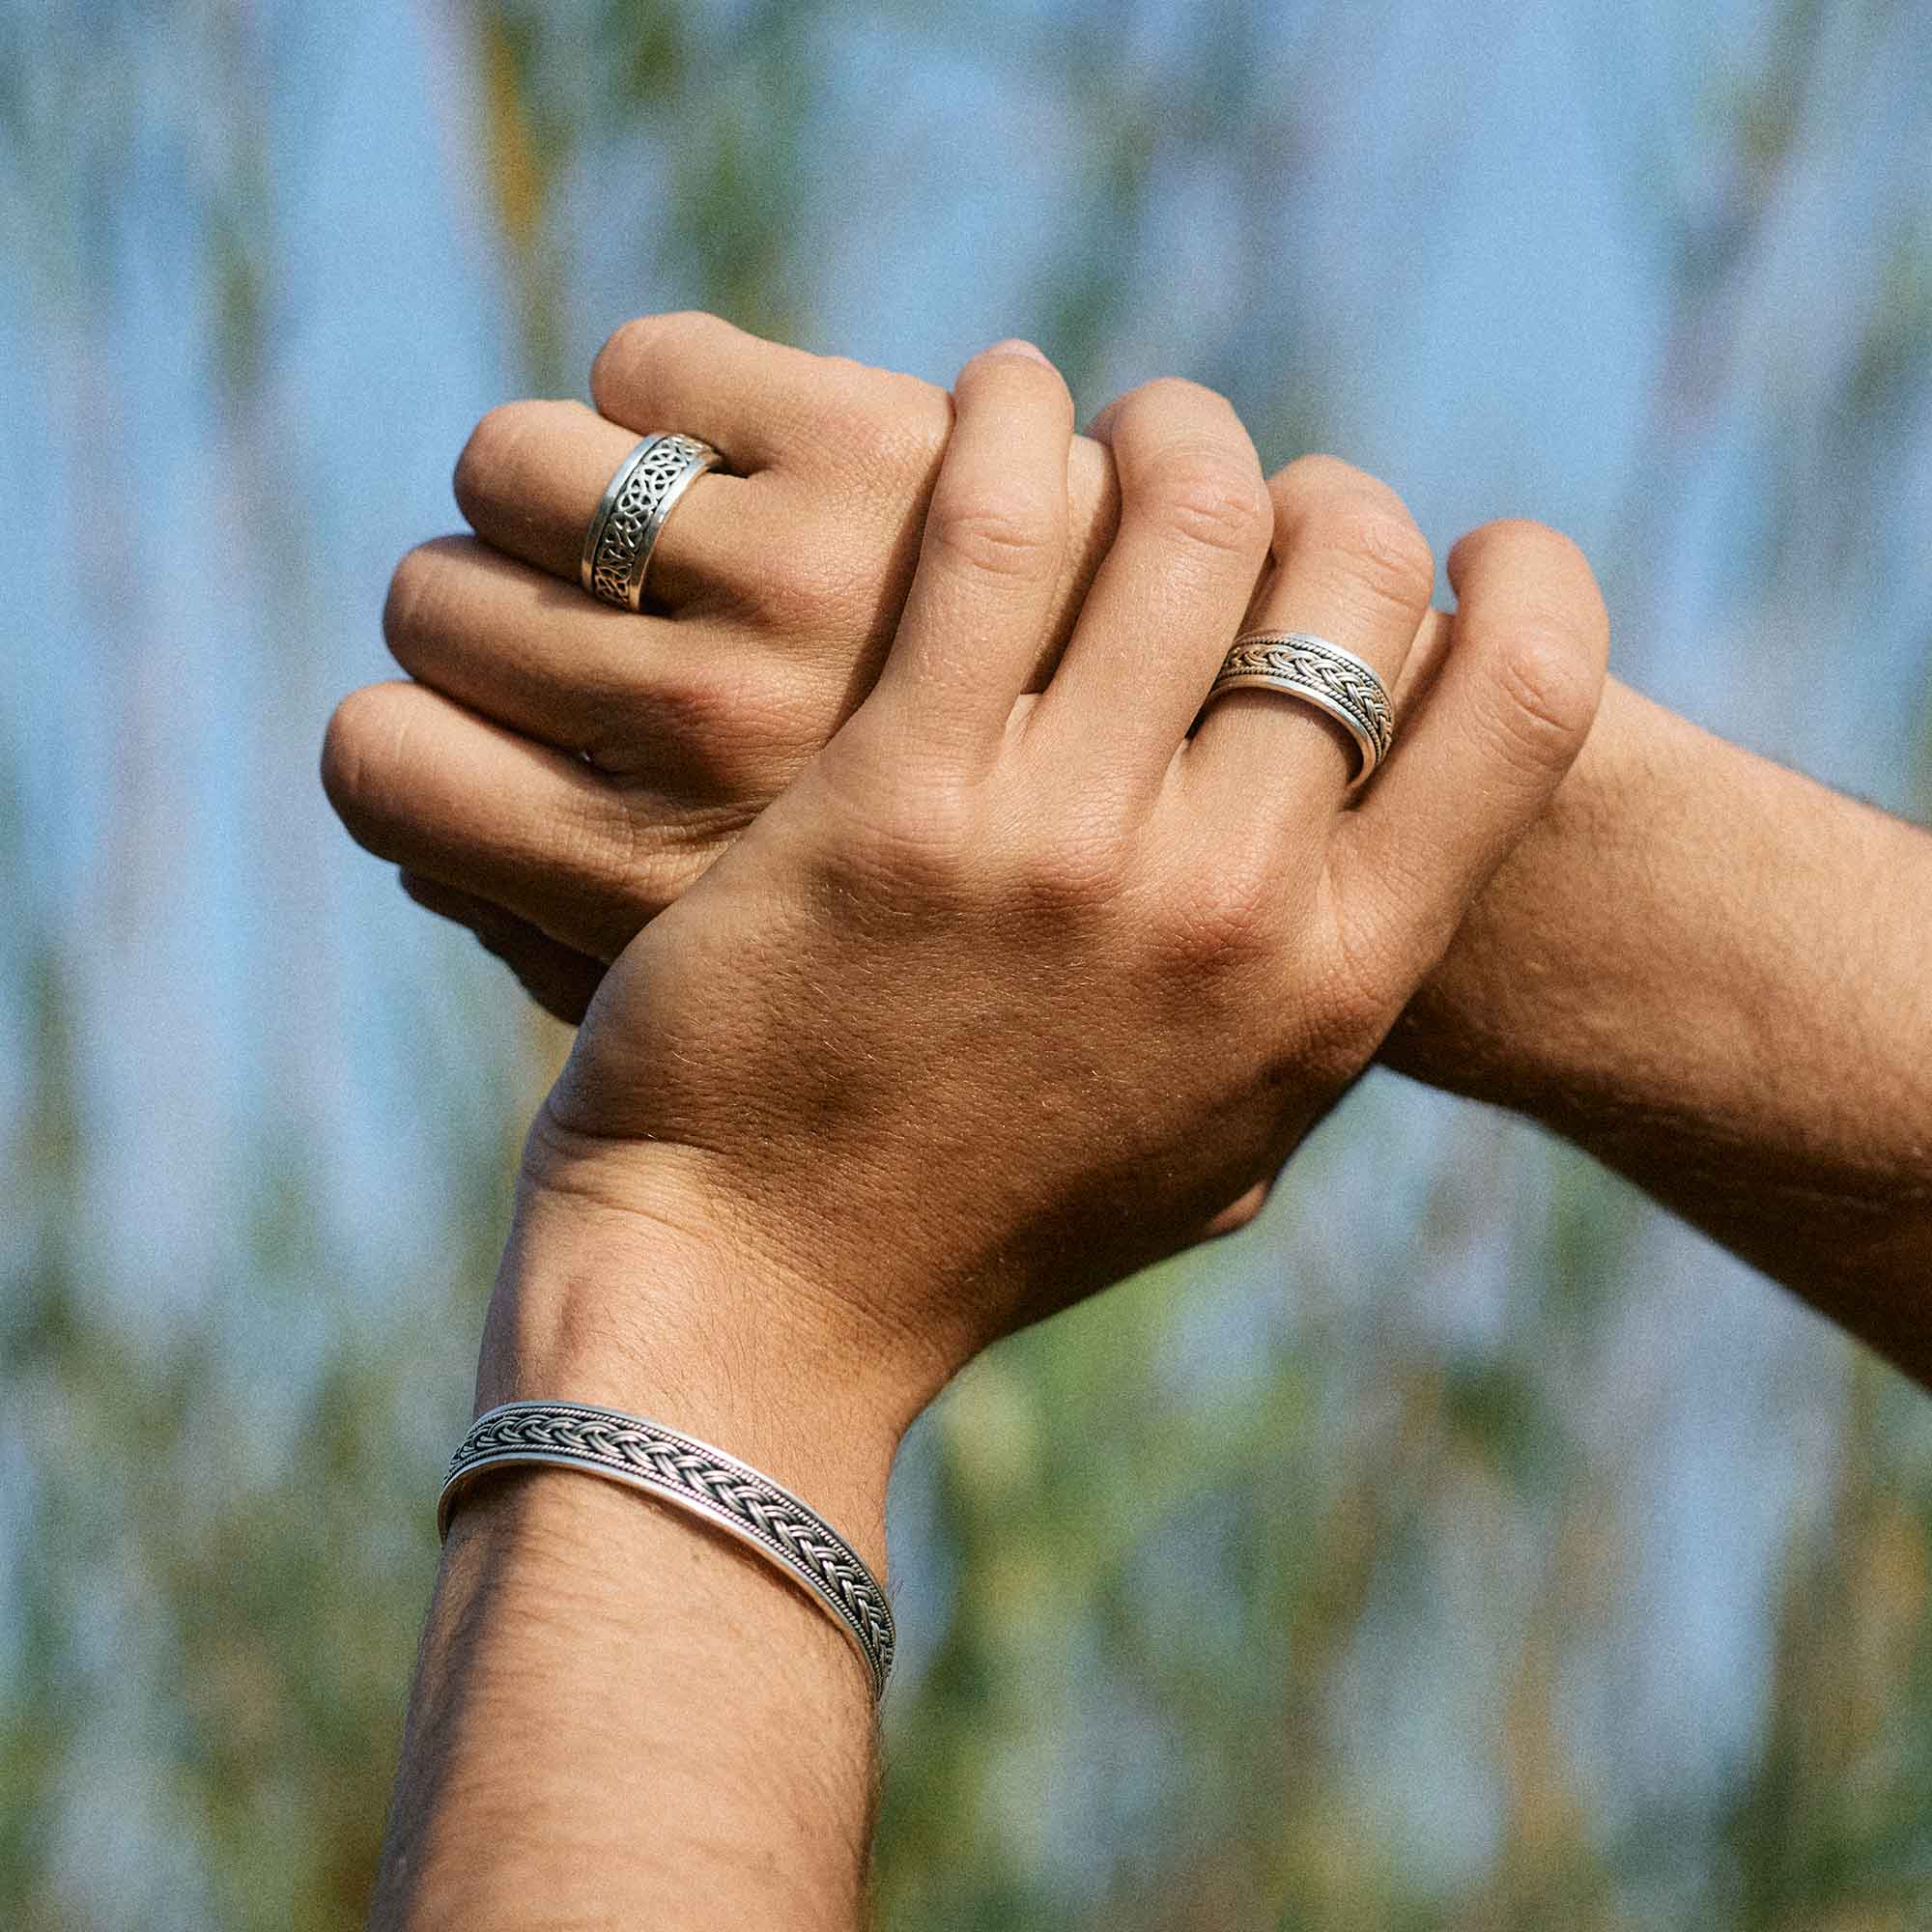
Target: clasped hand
x=1033 y=968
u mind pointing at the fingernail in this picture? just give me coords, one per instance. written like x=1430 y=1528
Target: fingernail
x=1014 y=346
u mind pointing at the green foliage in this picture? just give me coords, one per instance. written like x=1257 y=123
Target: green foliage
x=1184 y=1545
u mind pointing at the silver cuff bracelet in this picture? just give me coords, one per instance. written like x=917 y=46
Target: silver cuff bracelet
x=697 y=1477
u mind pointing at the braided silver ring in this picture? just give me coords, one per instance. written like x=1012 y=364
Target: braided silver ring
x=694 y=1476
x=630 y=515
x=1335 y=681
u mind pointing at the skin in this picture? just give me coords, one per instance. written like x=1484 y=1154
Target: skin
x=1703 y=968
x=1004 y=996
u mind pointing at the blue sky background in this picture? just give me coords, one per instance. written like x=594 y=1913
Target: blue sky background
x=1517 y=258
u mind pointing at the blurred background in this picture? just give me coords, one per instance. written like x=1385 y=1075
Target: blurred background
x=1467 y=1546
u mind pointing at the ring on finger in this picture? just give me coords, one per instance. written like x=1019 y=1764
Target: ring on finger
x=1297 y=663
x=632 y=513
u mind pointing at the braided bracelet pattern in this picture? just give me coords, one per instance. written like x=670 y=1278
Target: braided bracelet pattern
x=696 y=1476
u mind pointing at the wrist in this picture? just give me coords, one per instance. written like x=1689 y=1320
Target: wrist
x=654 y=1303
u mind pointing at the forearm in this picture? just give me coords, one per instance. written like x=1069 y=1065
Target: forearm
x=1710 y=973
x=620 y=1717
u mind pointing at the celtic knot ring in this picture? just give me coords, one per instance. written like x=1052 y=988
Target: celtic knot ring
x=631 y=516
x=1319 y=673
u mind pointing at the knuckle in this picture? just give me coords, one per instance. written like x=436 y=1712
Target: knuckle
x=488 y=453
x=631 y=349
x=1007 y=539
x=1311 y=476
x=1544 y=693
x=1551 y=635
x=1206 y=495
x=1009 y=374
x=1530 y=542
x=407 y=609
x=1158 y=405
x=1078 y=873
x=1229 y=920
x=1389 y=555
x=914 y=843
x=360 y=749
x=897 y=833
x=1351 y=516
